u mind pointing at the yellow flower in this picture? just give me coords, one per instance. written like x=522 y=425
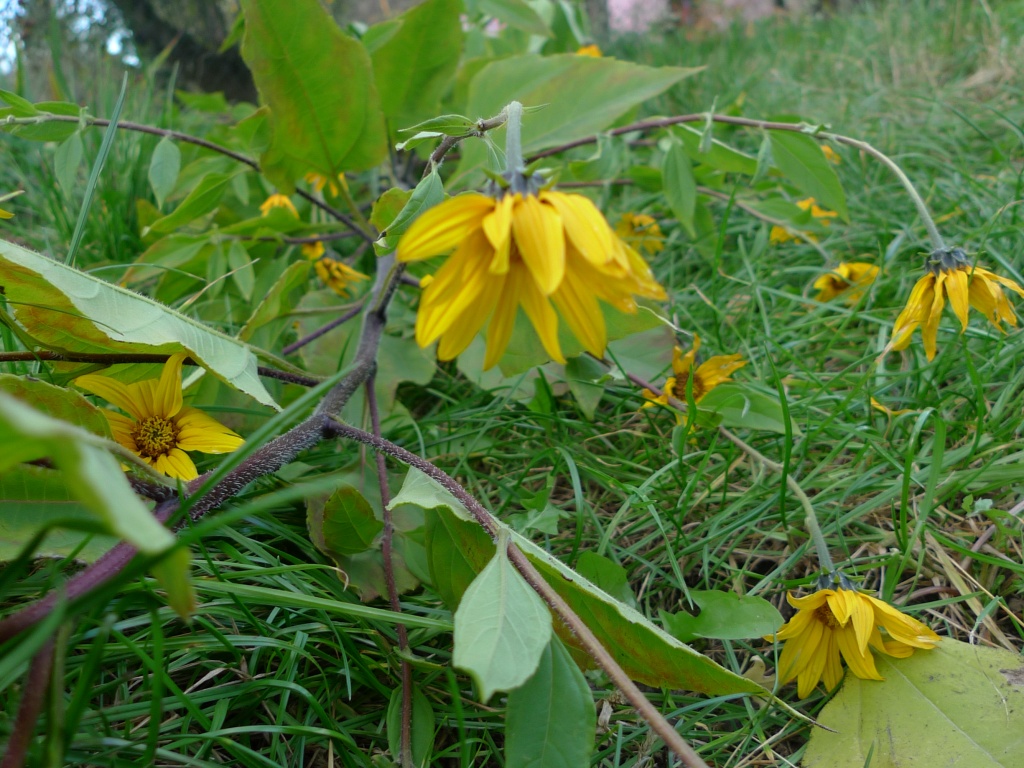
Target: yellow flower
x=313 y=250
x=830 y=154
x=318 y=183
x=641 y=230
x=161 y=428
x=590 y=50
x=850 y=278
x=278 y=201
x=709 y=374
x=543 y=252
x=337 y=275
x=843 y=622
x=889 y=411
x=779 y=235
x=951 y=276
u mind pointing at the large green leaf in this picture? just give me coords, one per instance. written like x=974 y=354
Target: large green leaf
x=65 y=309
x=581 y=96
x=422 y=726
x=956 y=705
x=345 y=524
x=325 y=113
x=801 y=160
x=414 y=65
x=551 y=717
x=723 y=615
x=741 y=405
x=647 y=654
x=501 y=628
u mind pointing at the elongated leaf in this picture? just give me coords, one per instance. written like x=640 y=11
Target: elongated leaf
x=723 y=615
x=801 y=160
x=583 y=96
x=741 y=405
x=454 y=547
x=422 y=726
x=428 y=193
x=957 y=705
x=680 y=187
x=164 y=167
x=719 y=156
x=551 y=717
x=501 y=628
x=64 y=404
x=517 y=14
x=200 y=201
x=66 y=161
x=325 y=113
x=413 y=68
x=65 y=309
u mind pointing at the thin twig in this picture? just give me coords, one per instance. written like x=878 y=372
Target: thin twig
x=344 y=318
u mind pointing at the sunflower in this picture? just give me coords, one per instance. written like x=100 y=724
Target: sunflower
x=278 y=201
x=950 y=275
x=779 y=235
x=850 y=278
x=709 y=374
x=834 y=623
x=160 y=428
x=551 y=253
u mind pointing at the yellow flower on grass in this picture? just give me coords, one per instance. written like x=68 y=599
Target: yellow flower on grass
x=278 y=201
x=641 y=230
x=159 y=427
x=878 y=406
x=834 y=623
x=830 y=154
x=850 y=279
x=337 y=275
x=551 y=253
x=951 y=276
x=779 y=234
x=590 y=50
x=709 y=374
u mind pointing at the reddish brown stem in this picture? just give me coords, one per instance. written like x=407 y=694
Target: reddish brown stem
x=36 y=682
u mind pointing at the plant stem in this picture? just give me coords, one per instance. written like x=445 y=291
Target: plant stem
x=34 y=691
x=344 y=318
x=514 y=139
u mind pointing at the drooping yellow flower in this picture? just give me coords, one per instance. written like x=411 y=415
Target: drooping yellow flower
x=590 y=50
x=278 y=201
x=642 y=231
x=830 y=154
x=779 y=234
x=834 y=623
x=313 y=251
x=318 y=183
x=551 y=253
x=850 y=279
x=709 y=374
x=951 y=276
x=160 y=428
x=337 y=275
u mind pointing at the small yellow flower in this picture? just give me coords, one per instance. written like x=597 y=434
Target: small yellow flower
x=709 y=374
x=951 y=276
x=779 y=234
x=850 y=278
x=590 y=50
x=551 y=253
x=337 y=275
x=830 y=154
x=278 y=201
x=889 y=411
x=313 y=251
x=318 y=183
x=642 y=231
x=161 y=428
x=843 y=622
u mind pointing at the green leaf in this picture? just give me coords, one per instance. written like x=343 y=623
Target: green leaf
x=66 y=161
x=680 y=187
x=200 y=201
x=65 y=309
x=22 y=107
x=241 y=269
x=602 y=90
x=723 y=615
x=551 y=718
x=325 y=113
x=606 y=575
x=414 y=67
x=585 y=377
x=444 y=125
x=428 y=193
x=740 y=405
x=164 y=167
x=454 y=547
x=64 y=404
x=387 y=207
x=345 y=524
x=422 y=726
x=719 y=156
x=278 y=301
x=517 y=14
x=501 y=628
x=957 y=705
x=801 y=160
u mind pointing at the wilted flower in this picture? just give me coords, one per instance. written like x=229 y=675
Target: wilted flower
x=337 y=275
x=551 y=253
x=850 y=278
x=834 y=623
x=160 y=428
x=642 y=231
x=950 y=275
x=278 y=201
x=709 y=374
x=779 y=234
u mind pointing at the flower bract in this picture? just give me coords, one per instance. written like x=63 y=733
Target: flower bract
x=843 y=623
x=158 y=427
x=708 y=375
x=850 y=279
x=779 y=235
x=551 y=254
x=950 y=276
x=278 y=201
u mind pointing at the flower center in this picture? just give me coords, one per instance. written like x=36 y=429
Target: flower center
x=825 y=616
x=155 y=436
x=679 y=391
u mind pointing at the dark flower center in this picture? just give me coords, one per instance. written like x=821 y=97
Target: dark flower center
x=155 y=436
x=679 y=390
x=824 y=614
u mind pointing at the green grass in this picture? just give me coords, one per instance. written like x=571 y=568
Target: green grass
x=303 y=681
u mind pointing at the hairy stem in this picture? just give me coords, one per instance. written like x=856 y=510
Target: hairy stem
x=33 y=693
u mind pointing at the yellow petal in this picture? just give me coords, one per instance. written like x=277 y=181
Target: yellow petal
x=717 y=370
x=537 y=229
x=956 y=290
x=124 y=396
x=469 y=323
x=498 y=229
x=860 y=662
x=168 y=390
x=930 y=326
x=811 y=601
x=914 y=312
x=833 y=672
x=201 y=432
x=176 y=463
x=542 y=316
x=456 y=286
x=582 y=314
x=863 y=618
x=585 y=226
x=121 y=428
x=504 y=318
x=444 y=226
